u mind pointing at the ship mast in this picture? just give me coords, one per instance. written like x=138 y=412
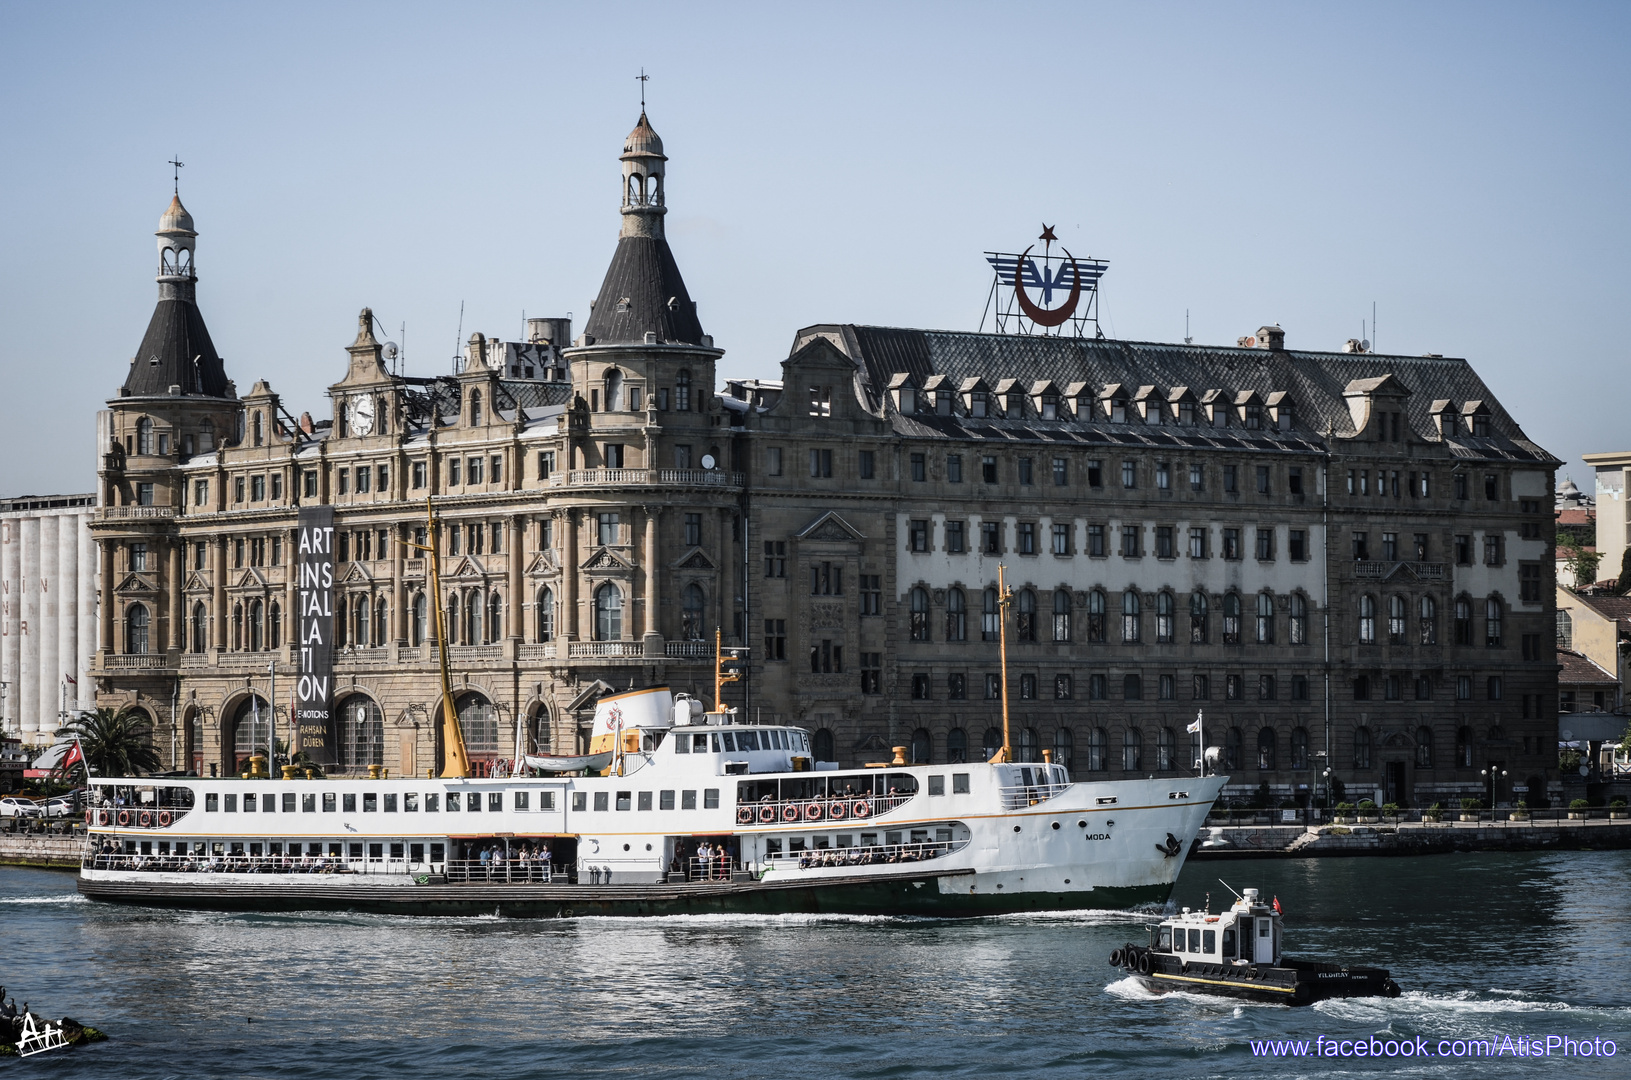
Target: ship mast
x=455 y=759
x=1004 y=599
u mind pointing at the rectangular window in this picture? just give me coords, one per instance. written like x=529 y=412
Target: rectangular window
x=473 y=467
x=418 y=475
x=1294 y=480
x=1025 y=473
x=775 y=558
x=1492 y=550
x=773 y=461
x=1202 y=688
x=1492 y=487
x=1061 y=539
x=1492 y=688
x=201 y=492
x=991 y=538
x=1263 y=480
x=866 y=465
x=775 y=639
x=1265 y=688
x=1164 y=544
x=1297 y=545
x=820 y=401
x=1390 y=546
x=607 y=529
x=1460 y=485
x=1197 y=478
x=871 y=594
x=954 y=468
x=1130 y=536
x=495 y=471
x=710 y=798
x=693 y=530
x=957 y=687
x=1095 y=473
x=309 y=484
x=871 y=673
x=1061 y=472
x=821 y=464
x=1026 y=534
x=1230 y=484
x=546 y=464
x=348 y=803
x=1163 y=476
x=1361 y=546
x=1265 y=543
x=1529 y=582
x=1231 y=543
x=644 y=801
x=1299 y=688
x=993 y=687
x=918 y=536
x=988 y=469
x=955 y=542
x=452 y=472
x=826 y=579
x=920 y=687
x=365 y=480
x=1197 y=542
x=238 y=488
x=1129 y=474
x=920 y=468
x=1095 y=541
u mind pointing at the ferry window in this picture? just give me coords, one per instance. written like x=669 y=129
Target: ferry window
x=682 y=745
x=249 y=802
x=212 y=803
x=1166 y=939
x=730 y=742
x=410 y=802
x=348 y=803
x=416 y=853
x=625 y=800
x=1209 y=942
x=437 y=852
x=688 y=800
x=396 y=851
x=546 y=800
x=715 y=738
x=356 y=851
x=1263 y=927
x=602 y=800
x=328 y=802
x=869 y=839
x=453 y=802
x=333 y=851
x=432 y=802
x=937 y=785
x=959 y=783
x=1177 y=940
x=288 y=802
x=773 y=847
x=231 y=804
x=665 y=800
x=495 y=801
x=645 y=800
x=699 y=744
x=710 y=798
x=390 y=802
x=269 y=803
x=370 y=802
x=523 y=800
x=472 y=801
x=147 y=848
x=580 y=800
x=795 y=844
x=1195 y=940
x=313 y=850
x=1228 y=943
x=308 y=803
x=891 y=837
x=376 y=851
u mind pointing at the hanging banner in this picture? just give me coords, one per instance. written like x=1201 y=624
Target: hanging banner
x=314 y=646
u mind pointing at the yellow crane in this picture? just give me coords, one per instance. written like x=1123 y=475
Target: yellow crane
x=455 y=759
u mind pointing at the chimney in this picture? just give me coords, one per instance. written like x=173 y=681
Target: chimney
x=1271 y=338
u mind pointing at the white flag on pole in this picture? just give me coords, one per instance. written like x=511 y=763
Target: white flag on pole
x=1195 y=728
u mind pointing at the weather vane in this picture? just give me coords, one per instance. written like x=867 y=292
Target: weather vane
x=176 y=180
x=643 y=79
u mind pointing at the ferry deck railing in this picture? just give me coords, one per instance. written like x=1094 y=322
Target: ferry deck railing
x=1023 y=795
x=249 y=864
x=504 y=872
x=833 y=808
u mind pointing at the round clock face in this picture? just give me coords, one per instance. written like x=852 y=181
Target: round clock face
x=362 y=412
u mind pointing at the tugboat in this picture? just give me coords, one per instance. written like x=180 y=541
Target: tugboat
x=1237 y=954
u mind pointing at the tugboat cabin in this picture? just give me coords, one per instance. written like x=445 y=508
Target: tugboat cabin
x=1248 y=933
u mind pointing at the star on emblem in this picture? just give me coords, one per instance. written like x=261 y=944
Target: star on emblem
x=1047 y=233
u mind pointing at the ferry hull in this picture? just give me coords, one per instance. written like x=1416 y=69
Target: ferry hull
x=920 y=894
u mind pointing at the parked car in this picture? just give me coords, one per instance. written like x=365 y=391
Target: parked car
x=16 y=806
x=62 y=806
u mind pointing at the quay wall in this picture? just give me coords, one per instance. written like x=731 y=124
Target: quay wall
x=1409 y=838
x=56 y=852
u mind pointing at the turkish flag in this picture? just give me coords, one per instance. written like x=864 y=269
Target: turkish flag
x=76 y=756
x=1277 y=910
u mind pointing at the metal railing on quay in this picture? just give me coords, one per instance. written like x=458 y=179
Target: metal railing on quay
x=829 y=808
x=1449 y=815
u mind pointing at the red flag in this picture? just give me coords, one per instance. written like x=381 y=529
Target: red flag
x=76 y=756
x=1277 y=910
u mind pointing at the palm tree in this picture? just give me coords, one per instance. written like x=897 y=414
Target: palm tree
x=115 y=743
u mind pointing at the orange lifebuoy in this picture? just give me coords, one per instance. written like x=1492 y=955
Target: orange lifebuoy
x=124 y=817
x=164 y=818
x=744 y=815
x=862 y=808
x=767 y=814
x=144 y=818
x=790 y=812
x=837 y=810
x=103 y=817
x=813 y=811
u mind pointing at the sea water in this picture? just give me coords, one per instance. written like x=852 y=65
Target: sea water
x=1488 y=948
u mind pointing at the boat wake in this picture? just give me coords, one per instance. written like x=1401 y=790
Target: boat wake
x=1130 y=989
x=1081 y=917
x=1467 y=1005
x=65 y=898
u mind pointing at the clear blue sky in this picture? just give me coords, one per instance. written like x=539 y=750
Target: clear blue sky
x=1461 y=165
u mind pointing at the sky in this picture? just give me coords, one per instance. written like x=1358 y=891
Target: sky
x=1460 y=166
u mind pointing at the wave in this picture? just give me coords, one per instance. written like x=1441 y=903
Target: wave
x=1130 y=989
x=1468 y=1004
x=66 y=898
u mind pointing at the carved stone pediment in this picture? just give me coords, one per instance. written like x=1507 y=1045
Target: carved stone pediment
x=544 y=564
x=137 y=583
x=251 y=578
x=467 y=567
x=695 y=559
x=356 y=574
x=605 y=559
x=830 y=527
x=198 y=582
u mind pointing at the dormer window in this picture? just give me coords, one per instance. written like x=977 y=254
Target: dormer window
x=475 y=408
x=1050 y=406
x=1186 y=413
x=1480 y=425
x=1152 y=412
x=1284 y=420
x=1254 y=417
x=908 y=399
x=820 y=401
x=978 y=404
x=258 y=427
x=1118 y=410
x=942 y=403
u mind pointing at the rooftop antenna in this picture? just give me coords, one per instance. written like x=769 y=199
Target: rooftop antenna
x=176 y=178
x=1373 y=326
x=458 y=339
x=643 y=79
x=402 y=354
x=1187 y=339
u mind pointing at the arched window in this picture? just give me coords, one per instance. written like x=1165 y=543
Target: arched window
x=473 y=608
x=257 y=429
x=136 y=623
x=238 y=628
x=1266 y=740
x=1424 y=747
x=1463 y=620
x=200 y=633
x=1367 y=620
x=1025 y=615
x=1232 y=745
x=956 y=615
x=1132 y=750
x=361 y=621
x=1064 y=747
x=1492 y=622
x=922 y=747
x=452 y=619
x=989 y=616
x=991 y=743
x=614 y=390
x=1361 y=747
x=1396 y=609
x=1463 y=748
x=692 y=612
x=1198 y=631
x=1061 y=614
x=1030 y=745
x=475 y=408
x=542 y=730
x=1166 y=609
x=274 y=625
x=1265 y=619
x=478 y=723
x=920 y=614
x=1299 y=619
x=421 y=613
x=682 y=390
x=251 y=729
x=609 y=613
x=381 y=620
x=1098 y=750
x=1132 y=688
x=495 y=617
x=144 y=436
x=362 y=734
x=1231 y=619
x=1131 y=623
x=821 y=745
x=632 y=197
x=1166 y=750
x=546 y=614
x=1095 y=616
x=1299 y=748
x=1429 y=621
x=257 y=624
x=956 y=746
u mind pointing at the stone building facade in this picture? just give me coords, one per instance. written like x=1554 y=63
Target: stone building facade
x=1343 y=560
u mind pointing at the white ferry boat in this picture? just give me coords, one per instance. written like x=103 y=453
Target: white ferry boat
x=696 y=812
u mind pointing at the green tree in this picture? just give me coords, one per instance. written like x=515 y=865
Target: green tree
x=115 y=743
x=1580 y=563
x=1623 y=584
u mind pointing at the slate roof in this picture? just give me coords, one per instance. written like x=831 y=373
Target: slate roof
x=1578 y=670
x=643 y=273
x=1315 y=382
x=176 y=351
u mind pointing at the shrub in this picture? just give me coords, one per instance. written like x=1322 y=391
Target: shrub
x=1521 y=805
x=1617 y=803
x=1344 y=806
x=1472 y=804
x=1579 y=804
x=1437 y=808
x=1390 y=808
x=1366 y=804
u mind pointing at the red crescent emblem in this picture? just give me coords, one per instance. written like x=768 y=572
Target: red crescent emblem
x=1042 y=316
